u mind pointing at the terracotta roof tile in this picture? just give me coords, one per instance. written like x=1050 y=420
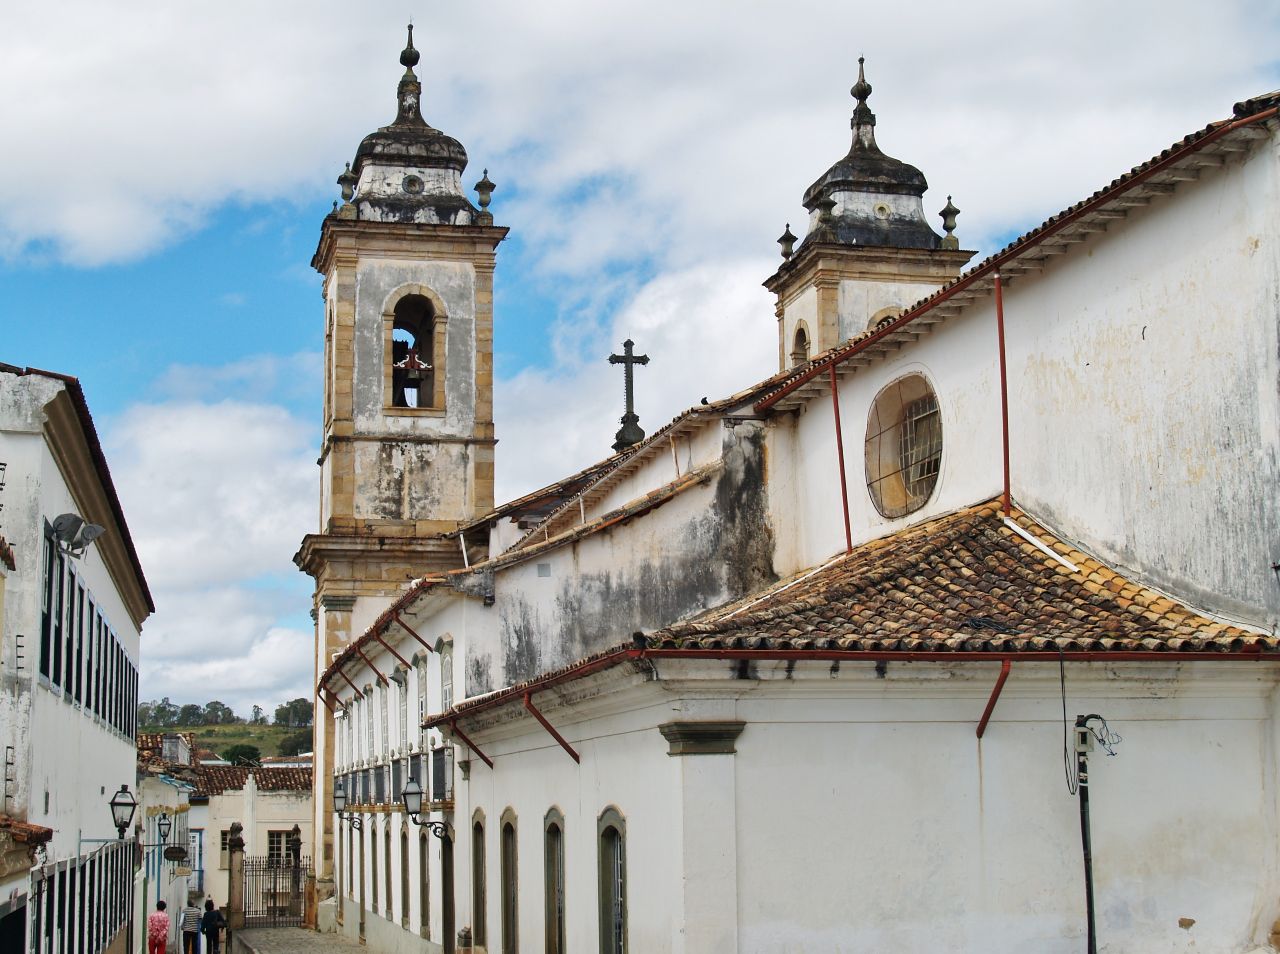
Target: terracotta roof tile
x=25 y=833
x=216 y=779
x=963 y=582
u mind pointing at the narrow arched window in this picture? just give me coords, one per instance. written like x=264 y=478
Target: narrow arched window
x=424 y=895
x=373 y=867
x=553 y=874
x=404 y=878
x=386 y=867
x=510 y=887
x=478 y=933
x=413 y=359
x=613 y=883
x=800 y=347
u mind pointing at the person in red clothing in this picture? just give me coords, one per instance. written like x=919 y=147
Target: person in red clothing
x=157 y=929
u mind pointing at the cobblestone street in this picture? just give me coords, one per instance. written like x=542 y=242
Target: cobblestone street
x=291 y=941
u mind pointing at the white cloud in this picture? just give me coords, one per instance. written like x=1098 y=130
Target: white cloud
x=214 y=492
x=700 y=123
x=708 y=331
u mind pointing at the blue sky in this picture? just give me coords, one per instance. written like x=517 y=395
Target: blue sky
x=169 y=169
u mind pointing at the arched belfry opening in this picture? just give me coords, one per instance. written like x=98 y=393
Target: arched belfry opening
x=800 y=347
x=413 y=353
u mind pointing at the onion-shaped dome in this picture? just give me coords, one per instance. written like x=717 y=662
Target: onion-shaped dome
x=877 y=198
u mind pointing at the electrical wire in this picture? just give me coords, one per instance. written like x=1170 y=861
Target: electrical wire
x=1106 y=737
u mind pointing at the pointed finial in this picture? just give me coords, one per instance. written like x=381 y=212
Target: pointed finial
x=861 y=91
x=409 y=56
x=949 y=213
x=787 y=241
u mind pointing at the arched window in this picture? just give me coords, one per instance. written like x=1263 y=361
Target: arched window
x=478 y=915
x=800 y=346
x=424 y=895
x=510 y=886
x=446 y=677
x=386 y=867
x=903 y=448
x=404 y=877
x=413 y=353
x=553 y=874
x=373 y=864
x=613 y=882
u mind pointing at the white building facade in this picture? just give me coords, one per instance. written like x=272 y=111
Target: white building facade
x=831 y=664
x=68 y=664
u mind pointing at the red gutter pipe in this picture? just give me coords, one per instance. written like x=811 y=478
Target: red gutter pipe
x=392 y=651
x=453 y=726
x=1249 y=654
x=1004 y=391
x=1016 y=249
x=359 y=653
x=528 y=704
x=1005 y=666
x=353 y=686
x=844 y=487
x=409 y=629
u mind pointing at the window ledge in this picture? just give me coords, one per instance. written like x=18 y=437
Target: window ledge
x=413 y=411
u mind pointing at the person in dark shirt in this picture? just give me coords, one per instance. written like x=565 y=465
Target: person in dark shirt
x=210 y=924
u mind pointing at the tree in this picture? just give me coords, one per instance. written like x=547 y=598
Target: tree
x=190 y=714
x=164 y=712
x=297 y=713
x=242 y=753
x=146 y=713
x=216 y=713
x=295 y=743
x=258 y=717
x=302 y=711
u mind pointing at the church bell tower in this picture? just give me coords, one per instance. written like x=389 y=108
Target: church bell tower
x=869 y=253
x=408 y=440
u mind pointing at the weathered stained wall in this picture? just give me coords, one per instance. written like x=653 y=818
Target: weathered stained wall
x=1144 y=374
x=709 y=544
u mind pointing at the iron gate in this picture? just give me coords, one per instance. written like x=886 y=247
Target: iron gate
x=275 y=890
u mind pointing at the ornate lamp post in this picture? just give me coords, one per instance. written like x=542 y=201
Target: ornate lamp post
x=412 y=798
x=340 y=806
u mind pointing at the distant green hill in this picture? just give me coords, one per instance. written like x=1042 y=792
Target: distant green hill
x=218 y=737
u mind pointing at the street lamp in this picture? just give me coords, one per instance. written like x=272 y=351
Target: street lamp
x=164 y=825
x=340 y=805
x=412 y=798
x=123 y=805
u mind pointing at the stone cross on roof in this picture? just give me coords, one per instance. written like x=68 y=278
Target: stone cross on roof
x=630 y=432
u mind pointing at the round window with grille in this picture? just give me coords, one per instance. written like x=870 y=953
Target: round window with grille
x=903 y=446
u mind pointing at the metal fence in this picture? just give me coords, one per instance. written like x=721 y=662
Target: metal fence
x=275 y=890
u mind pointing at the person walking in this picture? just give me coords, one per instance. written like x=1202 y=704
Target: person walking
x=210 y=925
x=157 y=929
x=191 y=927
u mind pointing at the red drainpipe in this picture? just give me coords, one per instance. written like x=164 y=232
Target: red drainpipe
x=1005 y=666
x=1004 y=389
x=844 y=487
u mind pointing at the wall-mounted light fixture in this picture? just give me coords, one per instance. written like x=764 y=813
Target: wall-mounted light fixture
x=411 y=796
x=74 y=534
x=123 y=805
x=340 y=806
